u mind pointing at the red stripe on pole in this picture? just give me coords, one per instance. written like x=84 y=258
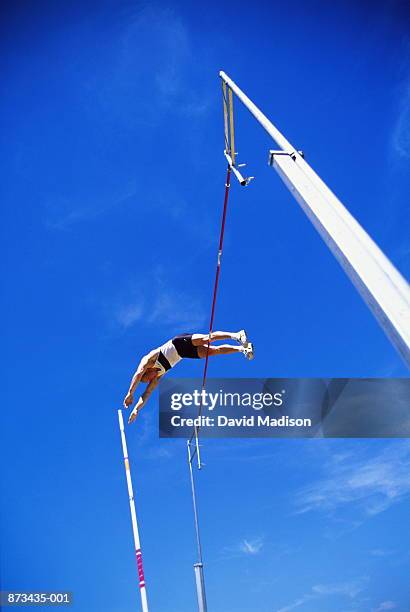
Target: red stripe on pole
x=140 y=568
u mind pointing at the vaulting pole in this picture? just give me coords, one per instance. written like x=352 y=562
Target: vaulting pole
x=382 y=287
x=138 y=553
x=194 y=439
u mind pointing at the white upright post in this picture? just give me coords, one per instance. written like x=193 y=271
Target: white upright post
x=138 y=553
x=380 y=284
x=198 y=566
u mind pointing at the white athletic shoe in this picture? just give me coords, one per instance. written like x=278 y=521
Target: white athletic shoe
x=243 y=338
x=248 y=351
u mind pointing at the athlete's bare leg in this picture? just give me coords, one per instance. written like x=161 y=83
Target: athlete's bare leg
x=202 y=339
x=222 y=349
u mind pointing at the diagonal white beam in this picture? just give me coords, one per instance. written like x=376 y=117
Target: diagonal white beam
x=383 y=288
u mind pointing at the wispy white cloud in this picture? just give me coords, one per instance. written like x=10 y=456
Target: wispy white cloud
x=400 y=139
x=140 y=77
x=381 y=552
x=177 y=310
x=147 y=425
x=159 y=304
x=160 y=452
x=128 y=314
x=368 y=485
x=251 y=547
x=151 y=63
x=296 y=603
x=349 y=590
x=400 y=136
x=385 y=605
x=247 y=547
x=62 y=212
x=168 y=309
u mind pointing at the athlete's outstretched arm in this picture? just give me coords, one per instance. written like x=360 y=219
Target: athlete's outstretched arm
x=146 y=362
x=144 y=398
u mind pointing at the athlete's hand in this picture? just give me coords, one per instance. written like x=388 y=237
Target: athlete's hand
x=133 y=415
x=136 y=410
x=129 y=399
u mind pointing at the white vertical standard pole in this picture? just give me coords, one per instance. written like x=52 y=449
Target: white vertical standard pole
x=138 y=553
x=199 y=566
x=382 y=287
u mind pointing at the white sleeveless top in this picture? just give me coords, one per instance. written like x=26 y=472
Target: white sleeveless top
x=171 y=355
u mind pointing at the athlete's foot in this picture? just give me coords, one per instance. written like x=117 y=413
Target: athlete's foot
x=243 y=338
x=248 y=351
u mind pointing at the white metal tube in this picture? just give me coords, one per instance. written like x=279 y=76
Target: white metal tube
x=198 y=567
x=383 y=288
x=138 y=552
x=200 y=587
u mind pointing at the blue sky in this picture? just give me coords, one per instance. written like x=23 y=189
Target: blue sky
x=112 y=185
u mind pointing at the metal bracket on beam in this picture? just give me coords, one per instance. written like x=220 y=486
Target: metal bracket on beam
x=291 y=154
x=243 y=180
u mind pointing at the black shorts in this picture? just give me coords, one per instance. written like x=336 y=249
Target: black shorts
x=184 y=346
